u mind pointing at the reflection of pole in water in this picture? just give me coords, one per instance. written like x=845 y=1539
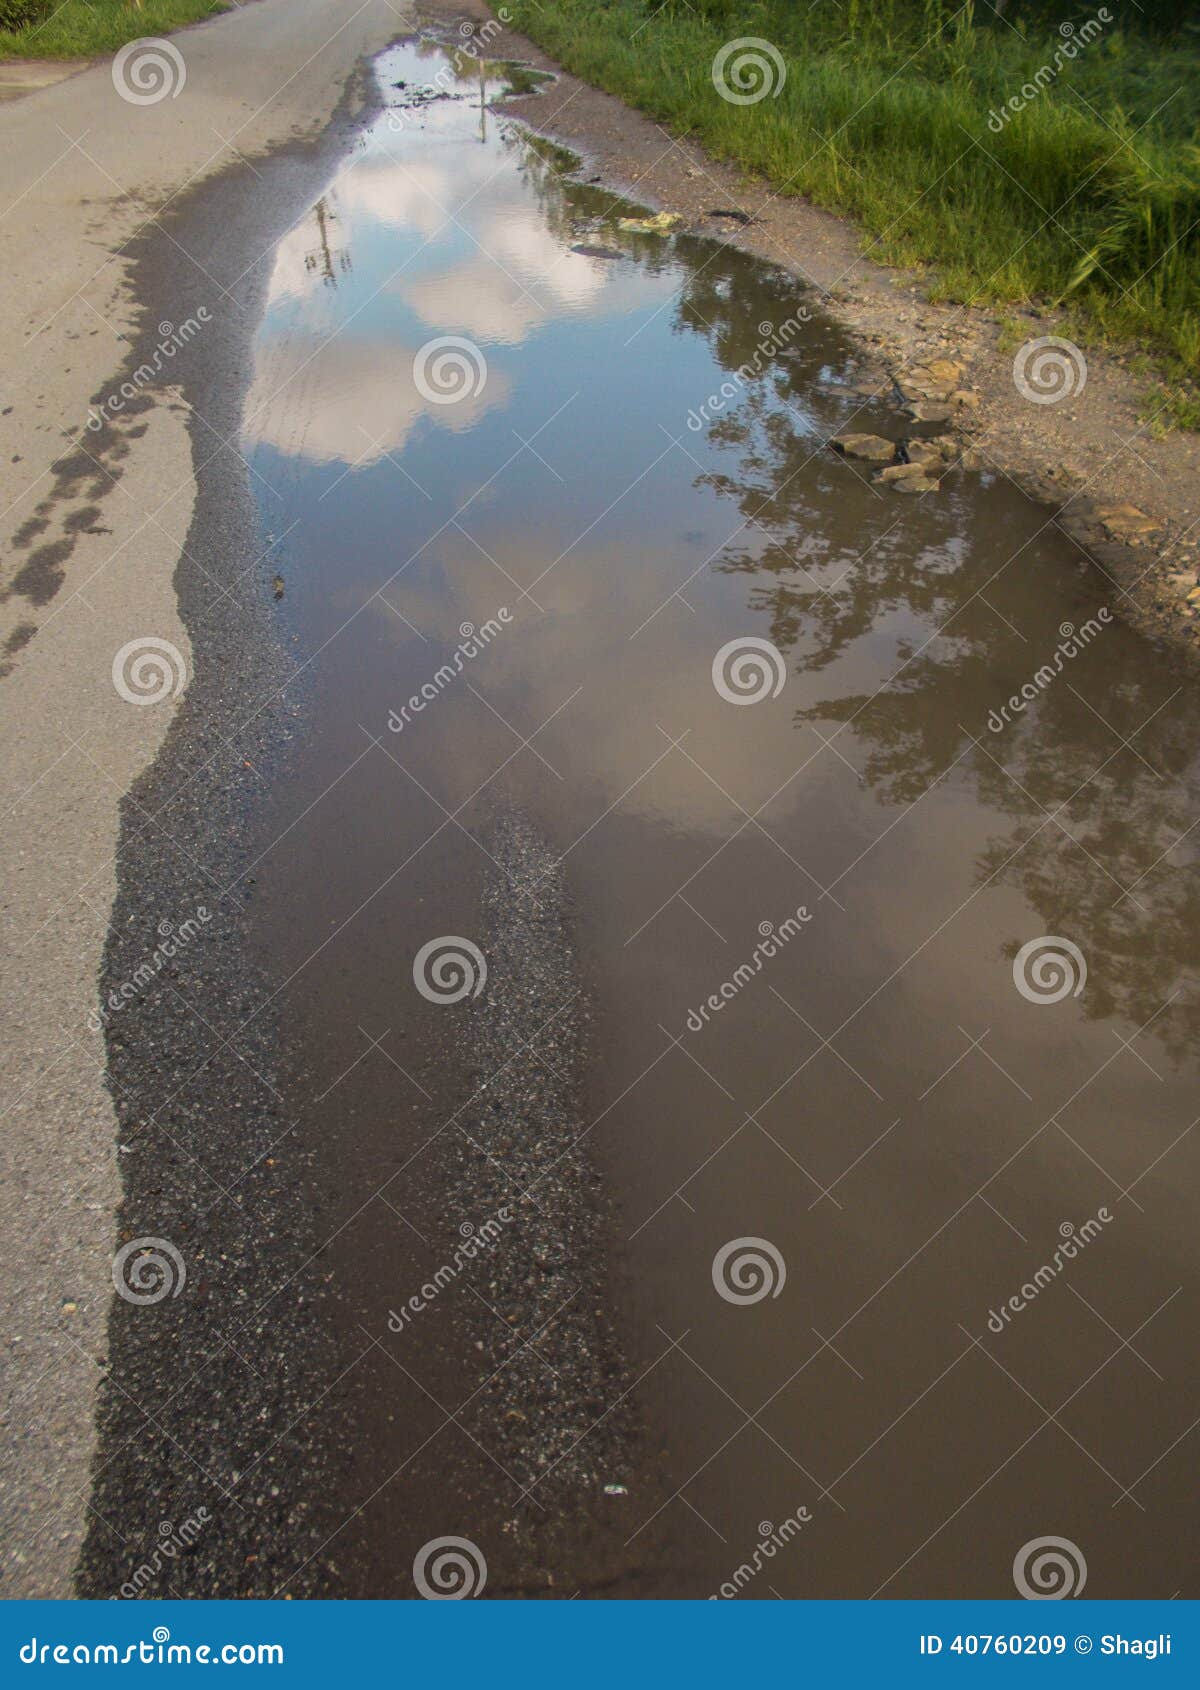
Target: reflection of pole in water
x=321 y=258
x=469 y=31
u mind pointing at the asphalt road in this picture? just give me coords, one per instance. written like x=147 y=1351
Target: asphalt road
x=93 y=525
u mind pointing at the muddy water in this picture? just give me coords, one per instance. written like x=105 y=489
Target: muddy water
x=752 y=947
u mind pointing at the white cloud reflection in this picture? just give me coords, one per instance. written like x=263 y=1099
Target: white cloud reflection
x=409 y=242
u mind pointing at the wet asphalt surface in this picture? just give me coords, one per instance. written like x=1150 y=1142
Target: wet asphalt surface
x=239 y=1429
x=205 y=1391
x=202 y=1387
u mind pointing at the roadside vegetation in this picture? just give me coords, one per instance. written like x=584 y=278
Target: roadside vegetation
x=973 y=146
x=81 y=29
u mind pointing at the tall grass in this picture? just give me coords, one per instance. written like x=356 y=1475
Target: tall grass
x=78 y=29
x=1089 y=194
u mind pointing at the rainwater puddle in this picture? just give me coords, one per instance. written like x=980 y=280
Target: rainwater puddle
x=529 y=569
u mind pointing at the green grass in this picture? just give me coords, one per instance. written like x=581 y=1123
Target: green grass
x=1088 y=196
x=1012 y=334
x=517 y=78
x=82 y=29
x=1166 y=408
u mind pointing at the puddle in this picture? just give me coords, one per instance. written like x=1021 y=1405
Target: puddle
x=548 y=517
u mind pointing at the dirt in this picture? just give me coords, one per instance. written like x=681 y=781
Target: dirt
x=1125 y=498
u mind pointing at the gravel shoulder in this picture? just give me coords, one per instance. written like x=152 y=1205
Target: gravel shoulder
x=95 y=526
